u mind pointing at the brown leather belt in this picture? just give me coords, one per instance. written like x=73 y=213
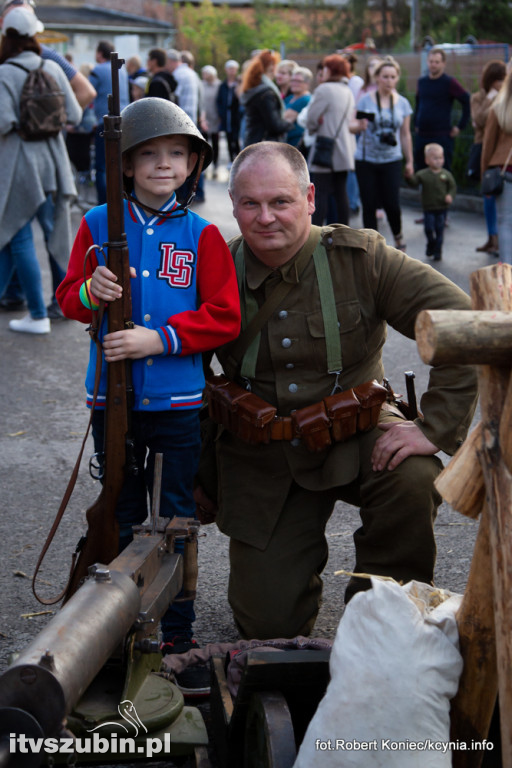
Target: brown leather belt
x=283 y=428
x=336 y=418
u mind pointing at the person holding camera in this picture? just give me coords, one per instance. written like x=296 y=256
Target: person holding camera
x=383 y=118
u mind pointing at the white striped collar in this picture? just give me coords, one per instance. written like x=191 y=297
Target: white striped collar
x=148 y=219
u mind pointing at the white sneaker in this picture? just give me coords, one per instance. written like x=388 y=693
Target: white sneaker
x=27 y=324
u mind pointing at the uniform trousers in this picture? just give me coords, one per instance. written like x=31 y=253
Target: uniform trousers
x=276 y=592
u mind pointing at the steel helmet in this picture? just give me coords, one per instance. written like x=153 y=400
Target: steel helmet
x=150 y=117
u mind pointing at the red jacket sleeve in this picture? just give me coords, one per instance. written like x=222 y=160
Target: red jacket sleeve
x=68 y=292
x=217 y=320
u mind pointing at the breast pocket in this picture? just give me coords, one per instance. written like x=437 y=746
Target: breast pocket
x=352 y=334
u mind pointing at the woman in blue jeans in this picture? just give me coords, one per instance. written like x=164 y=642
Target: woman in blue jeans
x=20 y=255
x=31 y=170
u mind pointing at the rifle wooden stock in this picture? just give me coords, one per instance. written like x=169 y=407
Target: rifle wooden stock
x=102 y=541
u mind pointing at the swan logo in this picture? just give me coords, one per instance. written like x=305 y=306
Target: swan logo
x=128 y=712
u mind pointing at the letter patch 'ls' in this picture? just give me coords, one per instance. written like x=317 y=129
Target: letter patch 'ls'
x=176 y=266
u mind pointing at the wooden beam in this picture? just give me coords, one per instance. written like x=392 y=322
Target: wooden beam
x=473 y=338
x=472 y=708
x=461 y=483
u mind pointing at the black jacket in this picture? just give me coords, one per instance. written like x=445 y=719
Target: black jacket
x=263 y=120
x=163 y=85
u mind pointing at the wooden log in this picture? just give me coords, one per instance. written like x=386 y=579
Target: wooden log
x=473 y=706
x=470 y=338
x=505 y=428
x=461 y=483
x=498 y=482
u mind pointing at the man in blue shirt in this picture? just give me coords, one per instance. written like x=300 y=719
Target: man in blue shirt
x=101 y=79
x=435 y=95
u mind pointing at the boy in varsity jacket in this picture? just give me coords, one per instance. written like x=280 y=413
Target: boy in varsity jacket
x=184 y=302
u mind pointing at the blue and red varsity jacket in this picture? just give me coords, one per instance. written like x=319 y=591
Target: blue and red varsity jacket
x=185 y=288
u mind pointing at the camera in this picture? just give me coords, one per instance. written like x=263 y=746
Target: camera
x=360 y=115
x=389 y=138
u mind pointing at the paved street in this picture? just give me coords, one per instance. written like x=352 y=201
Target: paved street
x=44 y=417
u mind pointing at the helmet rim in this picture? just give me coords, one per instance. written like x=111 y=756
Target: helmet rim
x=152 y=117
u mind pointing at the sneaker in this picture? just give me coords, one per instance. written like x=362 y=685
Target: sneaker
x=11 y=305
x=27 y=324
x=194 y=681
x=54 y=311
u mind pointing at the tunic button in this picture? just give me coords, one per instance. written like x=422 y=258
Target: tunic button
x=149 y=361
x=290 y=366
x=286 y=343
x=283 y=314
x=149 y=231
x=145 y=401
x=329 y=241
x=145 y=273
x=147 y=318
x=293 y=388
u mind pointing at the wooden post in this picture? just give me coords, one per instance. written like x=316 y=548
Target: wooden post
x=485 y=617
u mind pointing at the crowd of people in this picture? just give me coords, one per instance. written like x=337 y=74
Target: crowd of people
x=295 y=311
x=374 y=140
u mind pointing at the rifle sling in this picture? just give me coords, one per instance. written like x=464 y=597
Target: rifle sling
x=74 y=475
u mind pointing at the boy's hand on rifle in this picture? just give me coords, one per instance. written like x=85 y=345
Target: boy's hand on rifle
x=132 y=343
x=104 y=284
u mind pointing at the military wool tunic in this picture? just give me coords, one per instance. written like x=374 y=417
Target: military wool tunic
x=374 y=285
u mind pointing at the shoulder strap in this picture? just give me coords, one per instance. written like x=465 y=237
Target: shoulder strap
x=20 y=66
x=328 y=305
x=246 y=347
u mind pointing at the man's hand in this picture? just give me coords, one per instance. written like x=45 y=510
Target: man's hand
x=206 y=509
x=454 y=131
x=400 y=441
x=133 y=343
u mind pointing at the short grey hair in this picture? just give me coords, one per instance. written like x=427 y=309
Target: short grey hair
x=173 y=54
x=305 y=73
x=272 y=149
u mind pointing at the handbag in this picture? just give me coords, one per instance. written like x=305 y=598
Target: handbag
x=493 y=179
x=324 y=147
x=475 y=155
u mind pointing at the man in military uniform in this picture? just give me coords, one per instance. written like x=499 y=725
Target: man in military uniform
x=275 y=499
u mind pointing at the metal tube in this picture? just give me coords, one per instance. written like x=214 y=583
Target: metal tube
x=51 y=674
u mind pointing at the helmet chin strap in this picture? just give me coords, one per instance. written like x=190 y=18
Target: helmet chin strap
x=200 y=163
x=181 y=210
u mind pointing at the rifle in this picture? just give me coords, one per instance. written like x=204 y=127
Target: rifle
x=102 y=539
x=101 y=542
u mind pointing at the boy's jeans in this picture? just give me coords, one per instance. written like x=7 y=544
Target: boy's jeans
x=434 y=222
x=176 y=435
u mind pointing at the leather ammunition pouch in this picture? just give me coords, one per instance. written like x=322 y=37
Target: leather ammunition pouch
x=334 y=419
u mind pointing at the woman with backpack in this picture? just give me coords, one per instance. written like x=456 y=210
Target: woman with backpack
x=34 y=160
